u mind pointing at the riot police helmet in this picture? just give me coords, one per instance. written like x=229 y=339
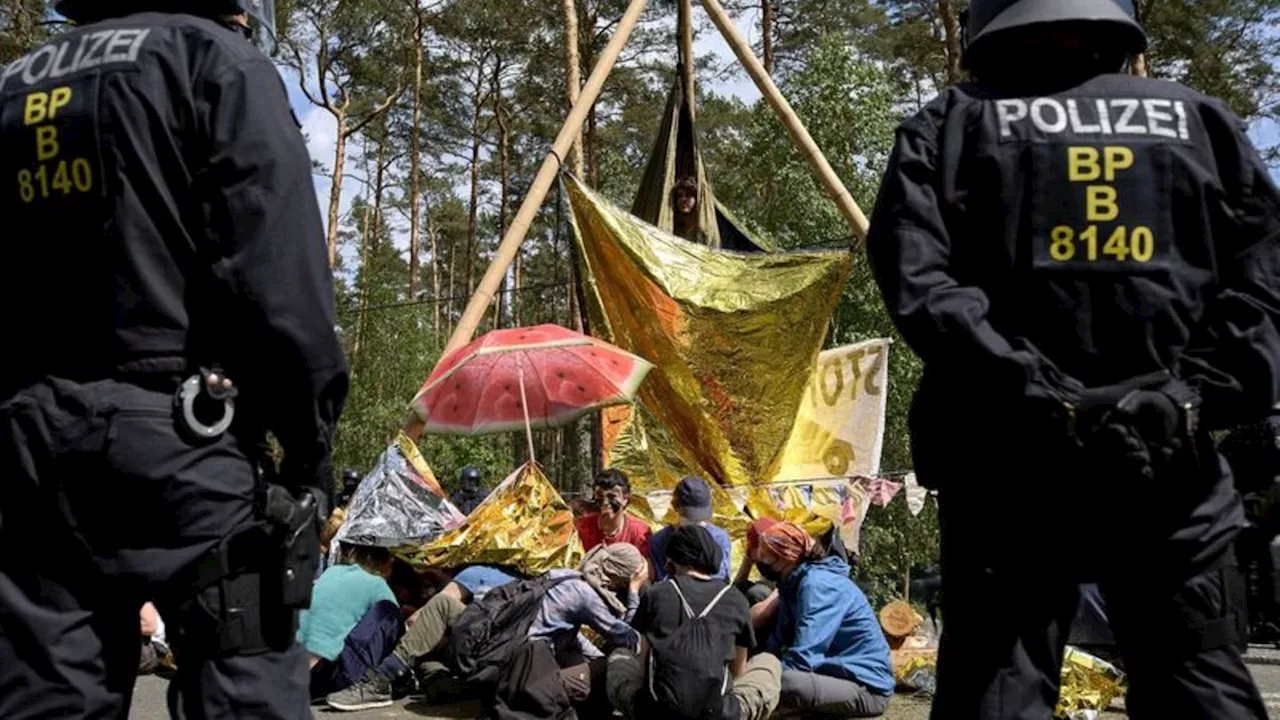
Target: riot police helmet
x=1113 y=22
x=469 y=477
x=262 y=28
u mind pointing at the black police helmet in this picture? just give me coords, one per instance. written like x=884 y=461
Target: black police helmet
x=470 y=476
x=263 y=12
x=351 y=476
x=988 y=18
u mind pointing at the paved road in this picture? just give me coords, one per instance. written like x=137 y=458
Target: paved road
x=149 y=704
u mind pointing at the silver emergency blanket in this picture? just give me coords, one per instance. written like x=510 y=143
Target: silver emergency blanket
x=399 y=503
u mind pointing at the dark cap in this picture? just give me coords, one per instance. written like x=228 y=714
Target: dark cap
x=693 y=499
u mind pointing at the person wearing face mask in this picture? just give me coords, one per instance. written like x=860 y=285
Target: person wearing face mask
x=612 y=523
x=763 y=596
x=835 y=659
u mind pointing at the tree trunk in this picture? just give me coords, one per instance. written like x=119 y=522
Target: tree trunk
x=504 y=182
x=572 y=81
x=474 y=205
x=335 y=190
x=379 y=184
x=415 y=159
x=516 y=280
x=766 y=34
x=951 y=31
x=1138 y=63
x=366 y=219
x=363 y=280
x=433 y=235
x=592 y=155
x=453 y=274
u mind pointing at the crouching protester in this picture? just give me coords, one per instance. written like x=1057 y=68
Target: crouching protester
x=354 y=619
x=426 y=635
x=697 y=637
x=498 y=637
x=835 y=659
x=551 y=670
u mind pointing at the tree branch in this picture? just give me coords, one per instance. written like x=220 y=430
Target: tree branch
x=383 y=107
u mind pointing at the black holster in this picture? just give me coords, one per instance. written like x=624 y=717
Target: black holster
x=262 y=575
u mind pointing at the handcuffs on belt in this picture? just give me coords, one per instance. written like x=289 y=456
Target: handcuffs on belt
x=206 y=396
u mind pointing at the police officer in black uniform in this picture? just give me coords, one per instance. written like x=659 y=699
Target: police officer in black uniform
x=469 y=494
x=1087 y=263
x=167 y=302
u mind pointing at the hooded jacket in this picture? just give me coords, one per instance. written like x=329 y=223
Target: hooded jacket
x=826 y=626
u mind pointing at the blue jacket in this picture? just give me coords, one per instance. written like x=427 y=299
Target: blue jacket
x=826 y=626
x=658 y=550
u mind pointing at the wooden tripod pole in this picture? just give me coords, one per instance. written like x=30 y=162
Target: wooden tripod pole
x=684 y=27
x=510 y=244
x=839 y=193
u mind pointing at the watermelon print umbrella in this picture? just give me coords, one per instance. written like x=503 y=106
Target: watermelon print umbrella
x=523 y=378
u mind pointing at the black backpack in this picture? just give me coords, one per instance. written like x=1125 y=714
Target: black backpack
x=489 y=631
x=688 y=675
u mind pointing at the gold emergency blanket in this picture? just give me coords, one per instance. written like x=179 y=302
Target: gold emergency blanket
x=523 y=523
x=734 y=337
x=1089 y=684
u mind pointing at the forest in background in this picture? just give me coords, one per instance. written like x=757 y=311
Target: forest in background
x=444 y=110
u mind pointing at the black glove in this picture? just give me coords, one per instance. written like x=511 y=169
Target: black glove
x=1141 y=431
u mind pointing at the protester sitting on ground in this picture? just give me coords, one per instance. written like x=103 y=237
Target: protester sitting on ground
x=354 y=619
x=587 y=596
x=413 y=587
x=835 y=659
x=426 y=633
x=763 y=596
x=692 y=503
x=697 y=637
x=612 y=523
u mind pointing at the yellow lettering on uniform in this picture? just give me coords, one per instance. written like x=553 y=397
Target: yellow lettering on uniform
x=37 y=108
x=1117 y=158
x=1063 y=245
x=46 y=142
x=58 y=99
x=1083 y=164
x=1101 y=203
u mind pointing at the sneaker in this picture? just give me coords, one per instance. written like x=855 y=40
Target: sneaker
x=370 y=691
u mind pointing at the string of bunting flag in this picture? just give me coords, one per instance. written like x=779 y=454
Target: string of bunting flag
x=880 y=490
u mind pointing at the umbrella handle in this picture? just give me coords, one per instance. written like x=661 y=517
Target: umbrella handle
x=524 y=405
